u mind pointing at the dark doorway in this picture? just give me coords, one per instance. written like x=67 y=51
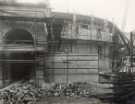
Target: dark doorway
x=20 y=63
x=21 y=66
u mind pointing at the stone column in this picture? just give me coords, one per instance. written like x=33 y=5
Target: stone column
x=40 y=72
x=1 y=76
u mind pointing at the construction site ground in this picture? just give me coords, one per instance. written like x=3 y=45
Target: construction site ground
x=70 y=100
x=27 y=93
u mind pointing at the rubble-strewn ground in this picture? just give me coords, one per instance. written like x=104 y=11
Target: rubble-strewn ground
x=58 y=93
x=70 y=100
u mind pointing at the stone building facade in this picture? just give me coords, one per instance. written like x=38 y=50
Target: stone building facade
x=46 y=46
x=22 y=42
x=82 y=50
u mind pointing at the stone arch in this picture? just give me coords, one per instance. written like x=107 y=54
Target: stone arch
x=20 y=62
x=18 y=36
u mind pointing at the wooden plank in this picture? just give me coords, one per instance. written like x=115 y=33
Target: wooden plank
x=79 y=58
x=83 y=64
x=84 y=71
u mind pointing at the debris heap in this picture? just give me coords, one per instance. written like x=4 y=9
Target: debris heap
x=71 y=89
x=27 y=93
x=20 y=93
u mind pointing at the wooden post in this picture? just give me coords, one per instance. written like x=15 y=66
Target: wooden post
x=67 y=71
x=131 y=52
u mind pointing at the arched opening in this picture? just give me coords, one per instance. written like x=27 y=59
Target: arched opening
x=19 y=64
x=18 y=36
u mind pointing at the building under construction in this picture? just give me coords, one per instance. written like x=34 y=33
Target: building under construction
x=44 y=46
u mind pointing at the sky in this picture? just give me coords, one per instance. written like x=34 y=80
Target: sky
x=113 y=10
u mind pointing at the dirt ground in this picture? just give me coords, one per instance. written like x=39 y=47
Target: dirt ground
x=70 y=100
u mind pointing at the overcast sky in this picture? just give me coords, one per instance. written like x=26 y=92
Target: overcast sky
x=112 y=10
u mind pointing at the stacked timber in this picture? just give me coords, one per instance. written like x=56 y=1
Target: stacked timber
x=124 y=88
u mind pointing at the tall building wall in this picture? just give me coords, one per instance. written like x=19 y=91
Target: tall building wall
x=81 y=50
x=80 y=61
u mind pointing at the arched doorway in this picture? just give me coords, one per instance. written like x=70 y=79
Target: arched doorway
x=19 y=64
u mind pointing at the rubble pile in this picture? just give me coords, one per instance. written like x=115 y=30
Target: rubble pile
x=26 y=93
x=20 y=93
x=72 y=89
